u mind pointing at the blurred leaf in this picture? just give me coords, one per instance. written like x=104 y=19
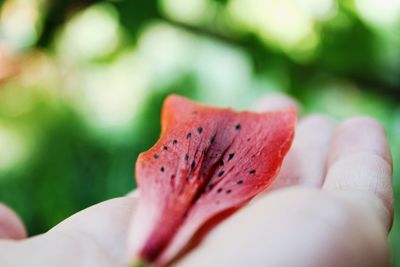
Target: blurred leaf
x=135 y=14
x=224 y=2
x=344 y=52
x=57 y=14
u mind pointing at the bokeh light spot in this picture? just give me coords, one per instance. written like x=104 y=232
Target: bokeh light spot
x=193 y=11
x=13 y=148
x=92 y=33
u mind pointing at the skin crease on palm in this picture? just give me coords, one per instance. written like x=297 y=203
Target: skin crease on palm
x=332 y=205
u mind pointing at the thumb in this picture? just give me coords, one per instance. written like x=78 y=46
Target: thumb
x=11 y=226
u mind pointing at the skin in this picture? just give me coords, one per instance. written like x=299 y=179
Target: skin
x=332 y=205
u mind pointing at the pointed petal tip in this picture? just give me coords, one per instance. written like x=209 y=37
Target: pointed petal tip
x=175 y=97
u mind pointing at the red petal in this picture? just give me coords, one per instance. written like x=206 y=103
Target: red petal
x=206 y=161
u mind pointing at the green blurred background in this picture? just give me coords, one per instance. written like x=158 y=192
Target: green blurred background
x=82 y=82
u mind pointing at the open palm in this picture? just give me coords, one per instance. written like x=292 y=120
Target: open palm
x=330 y=206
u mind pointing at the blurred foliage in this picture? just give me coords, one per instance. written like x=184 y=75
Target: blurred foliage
x=82 y=82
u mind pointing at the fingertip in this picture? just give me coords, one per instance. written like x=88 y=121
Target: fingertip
x=11 y=226
x=360 y=162
x=318 y=119
x=360 y=134
x=276 y=101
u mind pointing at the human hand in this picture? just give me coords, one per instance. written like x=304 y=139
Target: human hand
x=330 y=206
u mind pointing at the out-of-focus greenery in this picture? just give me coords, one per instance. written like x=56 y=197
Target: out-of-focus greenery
x=82 y=82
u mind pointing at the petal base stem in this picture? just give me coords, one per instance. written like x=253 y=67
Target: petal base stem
x=139 y=263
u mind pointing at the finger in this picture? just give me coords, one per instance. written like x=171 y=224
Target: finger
x=360 y=134
x=11 y=227
x=64 y=249
x=274 y=102
x=305 y=163
x=106 y=224
x=297 y=226
x=360 y=163
x=93 y=237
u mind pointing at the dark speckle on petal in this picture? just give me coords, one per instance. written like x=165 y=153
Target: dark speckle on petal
x=212 y=139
